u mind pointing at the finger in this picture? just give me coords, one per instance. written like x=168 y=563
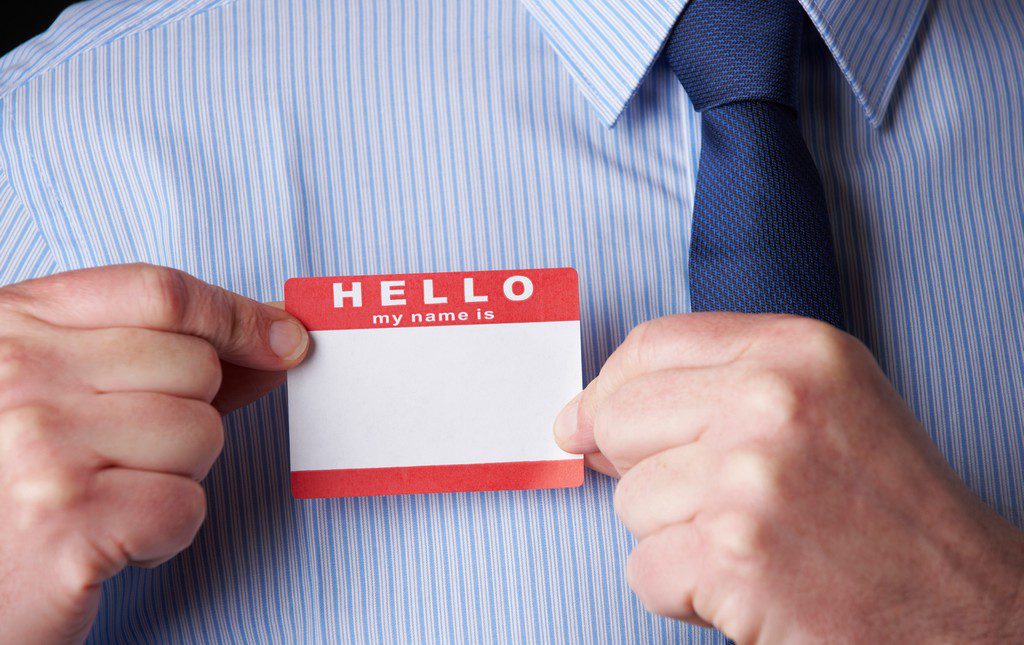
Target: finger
x=683 y=341
x=667 y=488
x=687 y=340
x=141 y=517
x=664 y=569
x=243 y=331
x=130 y=359
x=566 y=430
x=241 y=386
x=650 y=413
x=154 y=432
x=597 y=461
x=661 y=410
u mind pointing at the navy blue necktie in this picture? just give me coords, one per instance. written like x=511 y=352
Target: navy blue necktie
x=760 y=240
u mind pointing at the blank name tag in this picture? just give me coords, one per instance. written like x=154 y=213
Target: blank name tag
x=433 y=382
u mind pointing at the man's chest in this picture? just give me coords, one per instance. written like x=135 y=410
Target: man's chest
x=260 y=141
x=256 y=141
x=356 y=140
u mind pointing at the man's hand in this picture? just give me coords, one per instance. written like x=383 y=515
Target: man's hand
x=780 y=490
x=111 y=383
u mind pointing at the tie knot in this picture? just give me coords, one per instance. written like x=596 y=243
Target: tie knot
x=725 y=51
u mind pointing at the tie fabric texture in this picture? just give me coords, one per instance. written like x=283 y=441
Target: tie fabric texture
x=760 y=240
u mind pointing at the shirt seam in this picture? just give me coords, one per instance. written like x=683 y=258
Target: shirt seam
x=6 y=117
x=175 y=14
x=8 y=132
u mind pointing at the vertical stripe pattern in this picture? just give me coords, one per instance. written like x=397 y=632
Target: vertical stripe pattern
x=248 y=141
x=608 y=47
x=870 y=42
x=24 y=253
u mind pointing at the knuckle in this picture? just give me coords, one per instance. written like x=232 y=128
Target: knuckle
x=193 y=503
x=242 y=323
x=195 y=425
x=208 y=368
x=625 y=494
x=39 y=478
x=164 y=295
x=639 y=568
x=210 y=428
x=42 y=493
x=634 y=571
x=643 y=340
x=83 y=566
x=824 y=348
x=175 y=514
x=800 y=328
x=658 y=578
x=16 y=361
x=178 y=512
x=776 y=401
x=192 y=511
x=27 y=434
x=636 y=484
x=637 y=338
x=755 y=473
x=737 y=539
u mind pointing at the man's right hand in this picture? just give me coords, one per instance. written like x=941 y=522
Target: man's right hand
x=112 y=381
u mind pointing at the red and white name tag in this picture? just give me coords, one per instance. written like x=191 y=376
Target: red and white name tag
x=433 y=382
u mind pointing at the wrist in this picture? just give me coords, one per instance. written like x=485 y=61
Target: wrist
x=1006 y=622
x=1014 y=627
x=982 y=586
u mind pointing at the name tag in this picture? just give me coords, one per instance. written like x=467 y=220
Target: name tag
x=434 y=382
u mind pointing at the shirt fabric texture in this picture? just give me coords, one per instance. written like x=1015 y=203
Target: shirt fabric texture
x=249 y=141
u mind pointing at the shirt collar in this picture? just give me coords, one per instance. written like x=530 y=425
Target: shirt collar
x=609 y=45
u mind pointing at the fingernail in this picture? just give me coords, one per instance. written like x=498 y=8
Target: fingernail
x=565 y=422
x=288 y=339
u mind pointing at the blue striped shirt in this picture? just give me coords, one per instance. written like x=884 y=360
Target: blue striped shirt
x=248 y=141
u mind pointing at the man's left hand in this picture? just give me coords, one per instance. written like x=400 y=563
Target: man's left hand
x=781 y=490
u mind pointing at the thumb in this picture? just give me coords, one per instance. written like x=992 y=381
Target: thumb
x=240 y=386
x=244 y=332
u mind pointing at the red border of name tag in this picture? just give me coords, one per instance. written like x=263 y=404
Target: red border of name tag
x=555 y=297
x=450 y=478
